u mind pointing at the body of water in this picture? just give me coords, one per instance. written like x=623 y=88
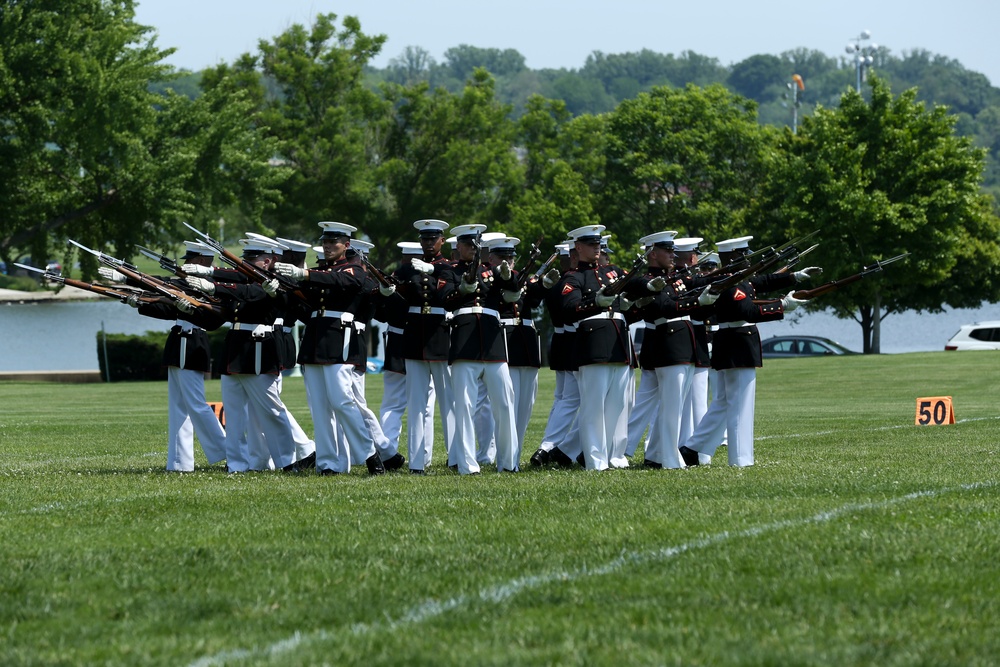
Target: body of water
x=64 y=336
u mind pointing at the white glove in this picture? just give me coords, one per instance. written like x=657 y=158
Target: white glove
x=270 y=287
x=656 y=284
x=197 y=270
x=200 y=284
x=806 y=273
x=422 y=266
x=551 y=278
x=387 y=290
x=603 y=300
x=790 y=303
x=706 y=298
x=643 y=302
x=467 y=288
x=184 y=306
x=110 y=274
x=511 y=295
x=504 y=271
x=291 y=271
x=624 y=304
x=132 y=300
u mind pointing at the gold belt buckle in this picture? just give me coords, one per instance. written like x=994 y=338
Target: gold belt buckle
x=425 y=310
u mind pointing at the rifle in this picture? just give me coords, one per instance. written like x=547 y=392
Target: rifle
x=522 y=279
x=165 y=262
x=523 y=275
x=154 y=284
x=795 y=260
x=384 y=279
x=472 y=273
x=825 y=288
x=102 y=290
x=638 y=266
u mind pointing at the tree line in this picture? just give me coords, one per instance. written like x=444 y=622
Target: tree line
x=104 y=145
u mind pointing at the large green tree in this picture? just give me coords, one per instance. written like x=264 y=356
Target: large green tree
x=689 y=160
x=89 y=152
x=879 y=179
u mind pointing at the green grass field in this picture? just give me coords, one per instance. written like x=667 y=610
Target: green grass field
x=857 y=539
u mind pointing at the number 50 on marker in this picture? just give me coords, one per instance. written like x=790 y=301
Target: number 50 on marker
x=934 y=410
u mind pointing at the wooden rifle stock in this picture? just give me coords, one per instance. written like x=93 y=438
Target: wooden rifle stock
x=638 y=266
x=522 y=278
x=384 y=279
x=826 y=288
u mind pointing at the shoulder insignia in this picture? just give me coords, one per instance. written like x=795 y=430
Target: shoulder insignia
x=739 y=295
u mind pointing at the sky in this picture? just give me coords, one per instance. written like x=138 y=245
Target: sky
x=562 y=33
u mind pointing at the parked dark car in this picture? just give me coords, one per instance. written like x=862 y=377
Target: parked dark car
x=801 y=346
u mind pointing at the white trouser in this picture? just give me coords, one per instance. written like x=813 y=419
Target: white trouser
x=732 y=411
x=696 y=404
x=643 y=413
x=484 y=426
x=419 y=438
x=188 y=414
x=525 y=380
x=465 y=376
x=304 y=445
x=604 y=406
x=384 y=448
x=673 y=382
x=256 y=394
x=394 y=407
x=562 y=427
x=330 y=394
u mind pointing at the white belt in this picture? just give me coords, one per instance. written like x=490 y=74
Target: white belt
x=604 y=316
x=568 y=328
x=733 y=325
x=475 y=310
x=664 y=320
x=336 y=314
x=427 y=310
x=187 y=326
x=517 y=321
x=287 y=329
x=256 y=328
x=278 y=321
x=395 y=330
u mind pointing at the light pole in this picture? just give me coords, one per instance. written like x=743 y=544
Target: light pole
x=864 y=55
x=795 y=85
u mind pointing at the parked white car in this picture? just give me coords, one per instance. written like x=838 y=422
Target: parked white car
x=976 y=336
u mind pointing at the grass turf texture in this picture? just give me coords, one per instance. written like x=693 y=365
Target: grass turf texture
x=857 y=539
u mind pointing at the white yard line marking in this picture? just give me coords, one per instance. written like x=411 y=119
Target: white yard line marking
x=430 y=609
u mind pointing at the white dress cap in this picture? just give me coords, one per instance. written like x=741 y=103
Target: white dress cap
x=410 y=248
x=261 y=245
x=688 y=244
x=337 y=229
x=587 y=234
x=261 y=237
x=730 y=245
x=362 y=246
x=464 y=232
x=193 y=248
x=503 y=245
x=294 y=246
x=662 y=239
x=431 y=227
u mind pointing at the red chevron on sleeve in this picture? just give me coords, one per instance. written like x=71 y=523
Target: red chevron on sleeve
x=739 y=295
x=567 y=288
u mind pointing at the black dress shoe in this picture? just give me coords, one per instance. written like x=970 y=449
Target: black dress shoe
x=453 y=468
x=374 y=463
x=326 y=472
x=415 y=471
x=646 y=463
x=307 y=462
x=690 y=456
x=581 y=460
x=394 y=462
x=560 y=458
x=539 y=458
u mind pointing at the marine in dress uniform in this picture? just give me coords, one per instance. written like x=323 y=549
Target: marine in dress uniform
x=187 y=357
x=736 y=355
x=561 y=441
x=686 y=256
x=250 y=381
x=392 y=311
x=473 y=295
x=603 y=352
x=426 y=340
x=324 y=354
x=668 y=349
